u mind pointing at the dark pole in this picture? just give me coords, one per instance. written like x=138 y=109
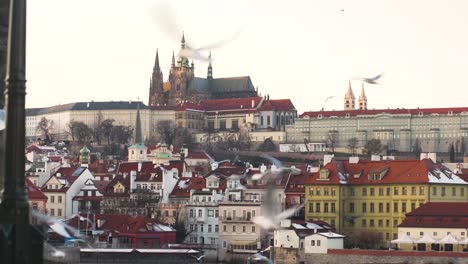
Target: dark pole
x=15 y=240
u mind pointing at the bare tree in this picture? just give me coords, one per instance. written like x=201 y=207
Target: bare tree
x=332 y=140
x=373 y=146
x=165 y=131
x=122 y=134
x=81 y=131
x=106 y=127
x=45 y=127
x=352 y=145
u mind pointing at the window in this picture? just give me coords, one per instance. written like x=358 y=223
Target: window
x=388 y=191
x=333 y=191
x=59 y=213
x=312 y=243
x=332 y=222
x=413 y=190
x=351 y=207
x=363 y=223
x=195 y=228
x=233 y=228
x=318 y=243
x=333 y=207
x=403 y=207
x=202 y=228
x=244 y=228
x=191 y=213
x=59 y=198
x=413 y=206
x=216 y=213
x=421 y=190
x=454 y=191
x=317 y=207
x=395 y=190
x=224 y=244
x=434 y=190
x=224 y=228
x=311 y=207
x=403 y=190
x=325 y=208
x=442 y=191
x=364 y=207
x=210 y=229
x=200 y=213
x=52 y=212
x=462 y=191
x=52 y=199
x=325 y=191
x=380 y=207
x=364 y=191
x=317 y=191
x=372 y=207
x=311 y=191
x=222 y=125
x=210 y=213
x=253 y=229
x=216 y=228
x=395 y=207
x=395 y=223
x=387 y=207
x=351 y=192
x=381 y=191
x=387 y=223
x=372 y=192
x=371 y=223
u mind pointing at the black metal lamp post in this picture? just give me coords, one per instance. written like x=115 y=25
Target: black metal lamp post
x=19 y=242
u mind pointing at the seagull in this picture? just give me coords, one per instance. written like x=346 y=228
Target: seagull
x=272 y=221
x=342 y=9
x=57 y=226
x=328 y=98
x=165 y=17
x=198 y=258
x=280 y=166
x=260 y=257
x=372 y=80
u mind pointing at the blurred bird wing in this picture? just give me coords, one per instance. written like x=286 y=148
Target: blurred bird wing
x=288 y=213
x=60 y=229
x=263 y=222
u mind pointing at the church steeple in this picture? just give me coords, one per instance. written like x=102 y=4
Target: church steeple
x=156 y=82
x=182 y=42
x=173 y=60
x=349 y=100
x=210 y=68
x=362 y=99
x=138 y=136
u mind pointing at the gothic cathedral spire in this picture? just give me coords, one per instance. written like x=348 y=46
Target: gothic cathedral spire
x=156 y=82
x=362 y=99
x=138 y=134
x=210 y=68
x=173 y=60
x=349 y=100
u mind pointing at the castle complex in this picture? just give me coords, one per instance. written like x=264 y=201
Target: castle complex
x=183 y=87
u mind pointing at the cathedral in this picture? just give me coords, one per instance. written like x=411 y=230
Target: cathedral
x=182 y=86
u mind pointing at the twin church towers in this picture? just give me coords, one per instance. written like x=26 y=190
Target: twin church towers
x=350 y=100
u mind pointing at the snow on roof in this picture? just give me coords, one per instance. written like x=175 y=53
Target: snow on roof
x=298 y=226
x=159 y=227
x=331 y=235
x=313 y=226
x=444 y=176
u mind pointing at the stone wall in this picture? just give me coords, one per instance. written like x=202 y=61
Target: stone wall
x=283 y=255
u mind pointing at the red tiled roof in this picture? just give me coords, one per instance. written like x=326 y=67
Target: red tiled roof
x=101 y=185
x=424 y=111
x=398 y=171
x=195 y=183
x=230 y=104
x=197 y=155
x=34 y=193
x=438 y=215
x=277 y=105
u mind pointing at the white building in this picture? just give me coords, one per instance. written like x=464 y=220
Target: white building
x=321 y=242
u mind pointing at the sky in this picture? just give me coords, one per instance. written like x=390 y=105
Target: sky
x=306 y=51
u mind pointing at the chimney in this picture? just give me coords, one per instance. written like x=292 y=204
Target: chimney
x=132 y=180
x=139 y=166
x=253 y=103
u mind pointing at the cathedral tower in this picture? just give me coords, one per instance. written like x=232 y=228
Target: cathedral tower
x=362 y=99
x=156 y=84
x=349 y=99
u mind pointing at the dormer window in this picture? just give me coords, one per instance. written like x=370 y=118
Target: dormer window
x=357 y=175
x=377 y=175
x=324 y=175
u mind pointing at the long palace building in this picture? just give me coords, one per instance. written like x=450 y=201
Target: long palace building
x=428 y=129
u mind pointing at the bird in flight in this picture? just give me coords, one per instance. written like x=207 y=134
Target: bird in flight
x=269 y=221
x=372 y=80
x=328 y=98
x=198 y=258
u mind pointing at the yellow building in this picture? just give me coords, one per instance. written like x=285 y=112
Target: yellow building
x=358 y=196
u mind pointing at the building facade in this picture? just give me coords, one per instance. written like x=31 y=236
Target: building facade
x=357 y=196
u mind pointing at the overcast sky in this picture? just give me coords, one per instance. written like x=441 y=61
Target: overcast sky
x=102 y=50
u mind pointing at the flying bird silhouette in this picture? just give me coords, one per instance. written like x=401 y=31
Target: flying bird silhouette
x=165 y=17
x=56 y=225
x=260 y=257
x=280 y=166
x=198 y=258
x=328 y=98
x=372 y=80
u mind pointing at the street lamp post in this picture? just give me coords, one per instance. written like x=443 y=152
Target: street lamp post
x=19 y=243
